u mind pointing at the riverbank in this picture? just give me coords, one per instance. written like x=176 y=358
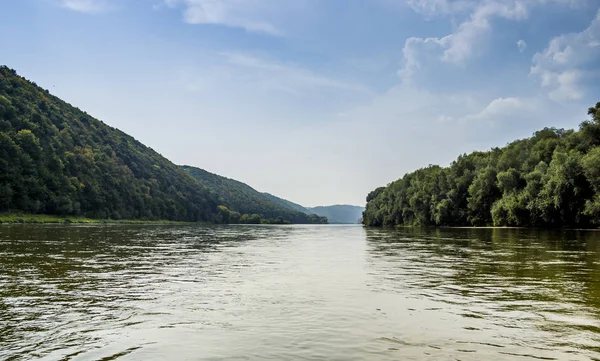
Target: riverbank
x=495 y=227
x=16 y=218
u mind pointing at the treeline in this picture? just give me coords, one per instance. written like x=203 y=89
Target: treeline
x=549 y=180
x=247 y=205
x=233 y=217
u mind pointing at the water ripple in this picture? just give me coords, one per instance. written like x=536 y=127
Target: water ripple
x=297 y=293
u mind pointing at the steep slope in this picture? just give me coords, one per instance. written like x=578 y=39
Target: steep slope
x=340 y=213
x=242 y=198
x=549 y=180
x=57 y=159
x=286 y=204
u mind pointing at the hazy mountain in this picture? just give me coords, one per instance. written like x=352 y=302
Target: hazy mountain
x=340 y=213
x=345 y=214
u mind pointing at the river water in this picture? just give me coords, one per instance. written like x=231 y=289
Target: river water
x=297 y=293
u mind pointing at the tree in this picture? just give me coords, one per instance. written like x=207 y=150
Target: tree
x=483 y=192
x=551 y=179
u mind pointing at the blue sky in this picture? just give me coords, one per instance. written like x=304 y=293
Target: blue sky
x=317 y=101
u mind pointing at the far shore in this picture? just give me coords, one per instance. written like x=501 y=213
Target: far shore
x=500 y=227
x=20 y=218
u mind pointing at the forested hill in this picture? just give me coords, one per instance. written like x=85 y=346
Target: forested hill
x=549 y=180
x=245 y=203
x=340 y=213
x=57 y=159
x=286 y=204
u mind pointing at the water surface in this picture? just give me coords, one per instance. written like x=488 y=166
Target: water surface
x=297 y=293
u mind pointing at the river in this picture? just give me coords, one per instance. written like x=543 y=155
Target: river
x=152 y=292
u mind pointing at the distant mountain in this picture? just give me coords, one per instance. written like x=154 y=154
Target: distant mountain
x=245 y=200
x=286 y=204
x=340 y=213
x=344 y=214
x=56 y=159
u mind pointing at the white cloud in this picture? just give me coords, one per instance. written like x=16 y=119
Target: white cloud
x=502 y=110
x=246 y=14
x=449 y=7
x=568 y=61
x=86 y=6
x=263 y=74
x=440 y=7
x=458 y=47
x=522 y=45
x=469 y=38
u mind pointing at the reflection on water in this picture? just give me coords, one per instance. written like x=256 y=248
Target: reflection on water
x=510 y=292
x=297 y=292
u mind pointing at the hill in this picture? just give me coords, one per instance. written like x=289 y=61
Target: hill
x=286 y=204
x=56 y=159
x=340 y=213
x=336 y=214
x=245 y=200
x=549 y=180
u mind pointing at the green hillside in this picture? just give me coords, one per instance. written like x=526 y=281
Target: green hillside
x=339 y=213
x=245 y=200
x=549 y=180
x=286 y=204
x=56 y=159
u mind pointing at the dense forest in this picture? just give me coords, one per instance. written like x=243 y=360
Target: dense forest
x=549 y=180
x=340 y=213
x=286 y=204
x=243 y=204
x=57 y=159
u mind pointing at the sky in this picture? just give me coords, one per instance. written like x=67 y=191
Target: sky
x=316 y=101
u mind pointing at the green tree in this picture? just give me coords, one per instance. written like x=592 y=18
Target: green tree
x=551 y=179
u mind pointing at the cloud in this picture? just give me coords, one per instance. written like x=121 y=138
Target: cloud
x=86 y=6
x=502 y=110
x=268 y=75
x=270 y=85
x=568 y=62
x=246 y=14
x=440 y=7
x=450 y=7
x=470 y=37
x=522 y=45
x=462 y=44
x=285 y=77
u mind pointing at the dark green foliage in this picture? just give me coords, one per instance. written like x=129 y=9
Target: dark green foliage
x=254 y=207
x=56 y=159
x=339 y=214
x=286 y=204
x=549 y=180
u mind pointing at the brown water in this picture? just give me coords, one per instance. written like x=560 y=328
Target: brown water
x=297 y=293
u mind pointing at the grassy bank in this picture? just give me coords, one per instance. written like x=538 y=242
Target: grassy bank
x=13 y=218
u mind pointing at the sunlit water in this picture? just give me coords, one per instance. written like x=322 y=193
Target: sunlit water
x=297 y=293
